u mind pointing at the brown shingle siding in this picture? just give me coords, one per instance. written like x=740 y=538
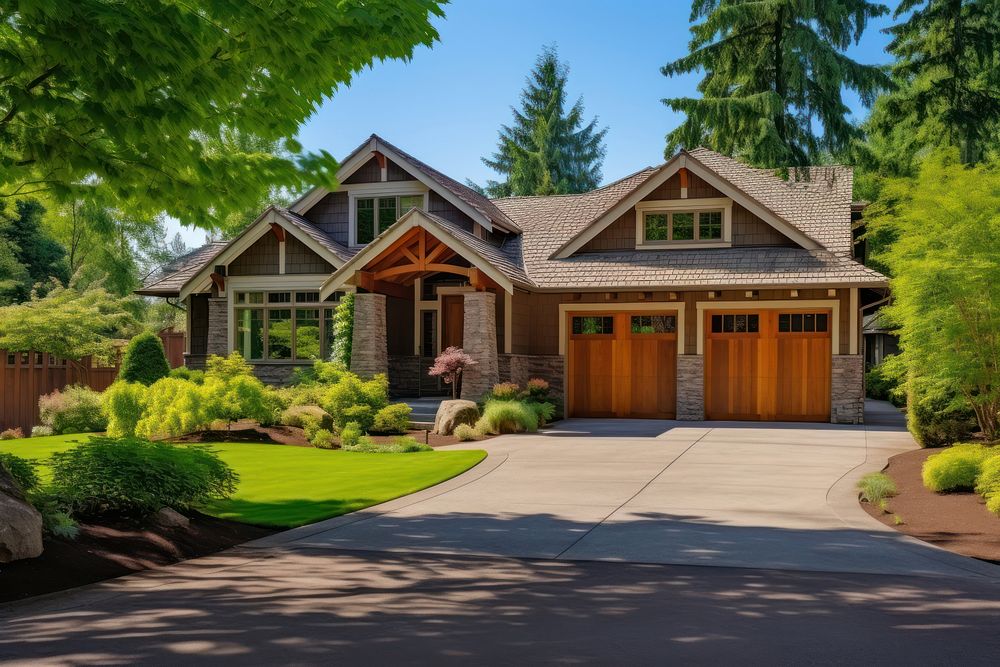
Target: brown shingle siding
x=299 y=258
x=260 y=259
x=330 y=214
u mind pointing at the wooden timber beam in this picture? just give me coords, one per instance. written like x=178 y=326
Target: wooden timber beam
x=683 y=173
x=279 y=232
x=364 y=280
x=219 y=281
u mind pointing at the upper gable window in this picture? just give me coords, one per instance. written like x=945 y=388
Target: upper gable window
x=688 y=223
x=374 y=215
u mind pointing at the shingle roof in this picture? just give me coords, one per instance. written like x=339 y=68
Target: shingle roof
x=818 y=203
x=317 y=234
x=507 y=258
x=477 y=201
x=169 y=278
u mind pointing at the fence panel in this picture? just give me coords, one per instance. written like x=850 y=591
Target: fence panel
x=26 y=376
x=173 y=345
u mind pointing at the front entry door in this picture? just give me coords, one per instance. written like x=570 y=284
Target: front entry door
x=452 y=320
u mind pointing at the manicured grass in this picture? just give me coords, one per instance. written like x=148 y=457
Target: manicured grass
x=286 y=486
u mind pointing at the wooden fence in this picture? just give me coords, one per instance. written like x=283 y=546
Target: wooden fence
x=25 y=376
x=173 y=345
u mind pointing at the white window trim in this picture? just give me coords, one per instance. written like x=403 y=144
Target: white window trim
x=368 y=192
x=684 y=205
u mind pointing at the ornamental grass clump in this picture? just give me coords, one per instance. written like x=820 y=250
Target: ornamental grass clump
x=134 y=477
x=876 y=487
x=507 y=417
x=955 y=469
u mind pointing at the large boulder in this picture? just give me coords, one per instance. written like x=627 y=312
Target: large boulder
x=20 y=523
x=452 y=413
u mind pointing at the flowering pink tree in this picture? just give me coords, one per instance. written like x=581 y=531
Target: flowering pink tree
x=449 y=366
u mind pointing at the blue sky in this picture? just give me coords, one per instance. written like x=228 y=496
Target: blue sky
x=446 y=105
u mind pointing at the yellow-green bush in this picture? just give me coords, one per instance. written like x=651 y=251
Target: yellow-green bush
x=173 y=407
x=392 y=419
x=988 y=482
x=124 y=403
x=955 y=468
x=466 y=433
x=352 y=399
x=295 y=416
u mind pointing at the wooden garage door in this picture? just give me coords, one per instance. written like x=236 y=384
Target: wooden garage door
x=622 y=365
x=768 y=365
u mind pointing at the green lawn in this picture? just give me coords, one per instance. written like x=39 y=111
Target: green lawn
x=290 y=486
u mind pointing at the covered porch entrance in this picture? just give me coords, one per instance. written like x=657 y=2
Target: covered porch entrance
x=419 y=290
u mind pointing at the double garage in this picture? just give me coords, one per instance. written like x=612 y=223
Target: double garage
x=763 y=364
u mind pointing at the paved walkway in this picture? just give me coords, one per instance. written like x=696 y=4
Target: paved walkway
x=724 y=494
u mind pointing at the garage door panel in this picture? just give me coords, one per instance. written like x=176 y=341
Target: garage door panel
x=615 y=372
x=767 y=374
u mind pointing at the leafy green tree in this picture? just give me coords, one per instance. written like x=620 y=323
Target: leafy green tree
x=947 y=76
x=144 y=361
x=28 y=254
x=121 y=101
x=547 y=149
x=945 y=262
x=774 y=71
x=68 y=322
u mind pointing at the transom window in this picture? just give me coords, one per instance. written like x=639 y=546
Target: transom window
x=374 y=215
x=654 y=324
x=593 y=324
x=736 y=323
x=280 y=326
x=663 y=226
x=803 y=322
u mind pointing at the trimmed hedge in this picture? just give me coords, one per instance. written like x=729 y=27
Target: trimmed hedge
x=145 y=361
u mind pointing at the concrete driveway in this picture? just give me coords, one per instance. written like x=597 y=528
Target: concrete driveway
x=776 y=496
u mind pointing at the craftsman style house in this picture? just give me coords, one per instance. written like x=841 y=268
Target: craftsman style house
x=698 y=289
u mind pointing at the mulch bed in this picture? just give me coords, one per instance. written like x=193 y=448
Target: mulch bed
x=117 y=547
x=958 y=522
x=291 y=435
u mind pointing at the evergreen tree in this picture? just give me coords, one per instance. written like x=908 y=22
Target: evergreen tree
x=947 y=76
x=774 y=69
x=547 y=149
x=145 y=360
x=28 y=254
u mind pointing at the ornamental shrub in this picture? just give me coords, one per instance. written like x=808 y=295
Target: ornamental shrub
x=884 y=381
x=352 y=399
x=935 y=415
x=311 y=425
x=466 y=433
x=393 y=419
x=350 y=435
x=295 y=415
x=506 y=391
x=401 y=445
x=174 y=407
x=988 y=481
x=544 y=412
x=238 y=397
x=22 y=470
x=12 y=434
x=41 y=431
x=538 y=389
x=507 y=417
x=322 y=439
x=955 y=468
x=75 y=409
x=145 y=361
x=343 y=331
x=185 y=373
x=134 y=477
x=124 y=403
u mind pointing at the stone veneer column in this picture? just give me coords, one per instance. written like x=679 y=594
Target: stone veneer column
x=847 y=391
x=218 y=326
x=479 y=340
x=691 y=387
x=369 y=351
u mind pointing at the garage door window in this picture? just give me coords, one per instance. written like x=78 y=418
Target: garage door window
x=736 y=323
x=593 y=325
x=803 y=322
x=654 y=324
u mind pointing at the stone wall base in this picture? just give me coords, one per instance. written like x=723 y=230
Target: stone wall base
x=277 y=375
x=520 y=368
x=218 y=326
x=369 y=356
x=847 y=391
x=691 y=387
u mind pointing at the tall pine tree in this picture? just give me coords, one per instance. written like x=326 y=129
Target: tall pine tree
x=947 y=76
x=774 y=71
x=547 y=149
